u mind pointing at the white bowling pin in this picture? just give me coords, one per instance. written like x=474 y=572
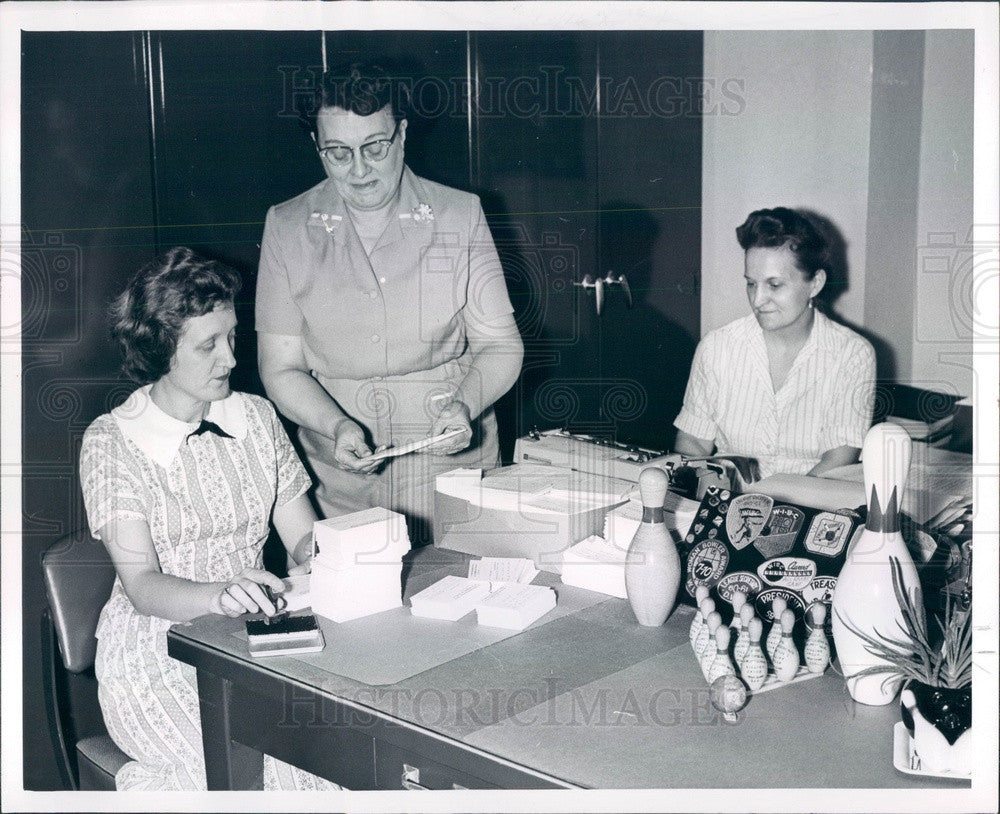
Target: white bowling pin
x=700 y=595
x=739 y=601
x=774 y=636
x=713 y=624
x=707 y=608
x=653 y=566
x=721 y=665
x=753 y=667
x=743 y=640
x=817 y=649
x=786 y=655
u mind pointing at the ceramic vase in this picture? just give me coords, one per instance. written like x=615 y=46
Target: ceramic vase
x=939 y=721
x=864 y=598
x=653 y=566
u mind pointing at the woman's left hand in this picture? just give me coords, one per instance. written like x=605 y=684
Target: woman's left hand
x=453 y=416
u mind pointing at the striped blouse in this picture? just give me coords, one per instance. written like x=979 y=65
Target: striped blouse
x=825 y=401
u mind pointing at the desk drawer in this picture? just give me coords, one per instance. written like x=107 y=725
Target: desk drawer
x=398 y=768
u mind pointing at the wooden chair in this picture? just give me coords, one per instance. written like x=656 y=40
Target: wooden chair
x=78 y=577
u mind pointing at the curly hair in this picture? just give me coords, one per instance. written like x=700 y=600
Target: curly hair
x=771 y=228
x=148 y=316
x=363 y=88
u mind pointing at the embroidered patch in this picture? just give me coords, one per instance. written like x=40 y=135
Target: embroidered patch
x=766 y=597
x=828 y=534
x=744 y=581
x=793 y=573
x=819 y=589
x=707 y=562
x=780 y=532
x=746 y=519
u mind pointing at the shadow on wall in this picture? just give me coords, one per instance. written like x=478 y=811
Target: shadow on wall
x=837 y=283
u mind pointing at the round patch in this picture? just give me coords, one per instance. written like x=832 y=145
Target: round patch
x=707 y=562
x=793 y=573
x=766 y=597
x=819 y=589
x=744 y=581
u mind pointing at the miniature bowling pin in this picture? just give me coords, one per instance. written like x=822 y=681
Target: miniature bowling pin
x=817 y=649
x=774 y=636
x=786 y=655
x=743 y=639
x=700 y=595
x=739 y=601
x=864 y=601
x=707 y=608
x=753 y=667
x=721 y=665
x=708 y=656
x=653 y=566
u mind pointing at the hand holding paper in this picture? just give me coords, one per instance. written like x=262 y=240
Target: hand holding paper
x=393 y=452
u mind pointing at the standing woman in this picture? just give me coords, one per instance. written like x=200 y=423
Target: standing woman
x=382 y=310
x=786 y=384
x=180 y=483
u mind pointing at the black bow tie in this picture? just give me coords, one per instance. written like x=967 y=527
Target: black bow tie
x=210 y=426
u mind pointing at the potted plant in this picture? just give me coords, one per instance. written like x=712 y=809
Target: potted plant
x=937 y=697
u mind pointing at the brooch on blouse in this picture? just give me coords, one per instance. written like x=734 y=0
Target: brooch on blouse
x=422 y=212
x=330 y=222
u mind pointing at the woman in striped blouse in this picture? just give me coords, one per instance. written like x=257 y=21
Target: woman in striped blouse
x=180 y=482
x=785 y=385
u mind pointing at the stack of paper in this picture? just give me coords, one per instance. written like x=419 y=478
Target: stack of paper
x=621 y=523
x=515 y=606
x=356 y=568
x=498 y=570
x=597 y=565
x=449 y=598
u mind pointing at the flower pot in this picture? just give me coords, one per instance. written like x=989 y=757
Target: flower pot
x=939 y=721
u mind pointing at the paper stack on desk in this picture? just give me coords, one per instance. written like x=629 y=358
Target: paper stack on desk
x=621 y=523
x=597 y=565
x=357 y=568
x=449 y=598
x=499 y=570
x=515 y=606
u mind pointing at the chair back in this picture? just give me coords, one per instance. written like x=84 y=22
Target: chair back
x=79 y=575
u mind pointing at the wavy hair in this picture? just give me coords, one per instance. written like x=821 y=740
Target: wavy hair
x=363 y=88
x=771 y=228
x=148 y=316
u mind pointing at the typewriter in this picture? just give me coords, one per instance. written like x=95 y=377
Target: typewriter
x=689 y=477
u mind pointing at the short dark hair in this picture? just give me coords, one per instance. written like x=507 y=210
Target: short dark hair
x=771 y=228
x=363 y=88
x=148 y=316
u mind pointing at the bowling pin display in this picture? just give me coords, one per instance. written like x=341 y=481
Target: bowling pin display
x=743 y=639
x=653 y=566
x=786 y=655
x=721 y=665
x=708 y=656
x=817 y=649
x=753 y=667
x=777 y=608
x=864 y=598
x=739 y=601
x=707 y=608
x=700 y=595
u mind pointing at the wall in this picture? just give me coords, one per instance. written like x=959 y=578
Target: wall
x=942 y=327
x=801 y=139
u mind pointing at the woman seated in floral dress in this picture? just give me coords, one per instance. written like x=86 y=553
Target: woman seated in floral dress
x=180 y=483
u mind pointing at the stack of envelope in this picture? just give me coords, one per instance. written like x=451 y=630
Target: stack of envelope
x=357 y=564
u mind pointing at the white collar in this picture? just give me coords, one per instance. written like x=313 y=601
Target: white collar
x=160 y=435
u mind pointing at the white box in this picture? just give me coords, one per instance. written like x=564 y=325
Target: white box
x=371 y=536
x=360 y=590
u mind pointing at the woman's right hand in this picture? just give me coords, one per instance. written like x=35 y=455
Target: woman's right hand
x=244 y=593
x=350 y=450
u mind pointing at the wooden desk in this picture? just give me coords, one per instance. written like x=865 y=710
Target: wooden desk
x=588 y=700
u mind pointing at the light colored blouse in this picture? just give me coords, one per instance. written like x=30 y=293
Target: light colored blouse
x=825 y=401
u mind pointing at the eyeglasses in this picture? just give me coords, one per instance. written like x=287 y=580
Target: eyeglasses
x=341 y=155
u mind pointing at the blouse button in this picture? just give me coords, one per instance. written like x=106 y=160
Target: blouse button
x=376 y=338
x=381 y=279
